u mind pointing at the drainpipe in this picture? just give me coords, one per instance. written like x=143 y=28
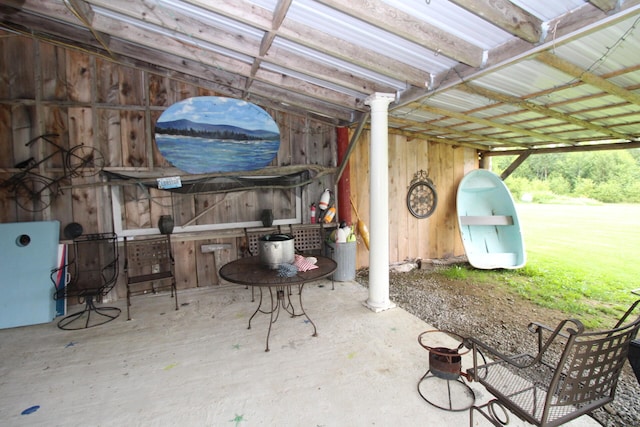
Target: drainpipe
x=379 y=203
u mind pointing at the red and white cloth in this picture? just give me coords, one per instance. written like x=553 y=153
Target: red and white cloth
x=305 y=264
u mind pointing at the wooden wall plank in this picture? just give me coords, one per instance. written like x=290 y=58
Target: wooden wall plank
x=208 y=264
x=56 y=120
x=5 y=61
x=54 y=72
x=7 y=205
x=160 y=203
x=136 y=212
x=410 y=238
x=206 y=209
x=185 y=263
x=6 y=136
x=397 y=154
x=18 y=57
x=107 y=82
x=158 y=88
x=85 y=201
x=24 y=125
x=359 y=169
x=114 y=108
x=118 y=85
x=79 y=75
x=183 y=208
x=421 y=154
x=108 y=136
x=179 y=91
x=132 y=134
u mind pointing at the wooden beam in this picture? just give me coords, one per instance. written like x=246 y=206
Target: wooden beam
x=175 y=67
x=378 y=13
x=605 y=5
x=587 y=77
x=267 y=39
x=492 y=124
x=278 y=16
x=567 y=27
x=540 y=109
x=506 y=15
x=250 y=14
x=444 y=132
x=191 y=49
x=280 y=13
x=193 y=28
x=514 y=165
x=565 y=149
x=83 y=11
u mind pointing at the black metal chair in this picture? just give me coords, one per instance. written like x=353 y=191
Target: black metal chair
x=149 y=267
x=93 y=272
x=550 y=388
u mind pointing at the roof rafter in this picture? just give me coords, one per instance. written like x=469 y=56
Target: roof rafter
x=404 y=25
x=587 y=77
x=442 y=131
x=492 y=124
x=507 y=16
x=540 y=109
x=605 y=5
x=327 y=44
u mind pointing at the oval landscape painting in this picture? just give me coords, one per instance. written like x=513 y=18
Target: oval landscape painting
x=208 y=134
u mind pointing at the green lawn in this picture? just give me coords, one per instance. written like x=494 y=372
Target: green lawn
x=581 y=258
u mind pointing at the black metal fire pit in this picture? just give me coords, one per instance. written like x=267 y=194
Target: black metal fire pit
x=442 y=385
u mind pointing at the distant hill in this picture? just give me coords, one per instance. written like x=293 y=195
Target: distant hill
x=189 y=128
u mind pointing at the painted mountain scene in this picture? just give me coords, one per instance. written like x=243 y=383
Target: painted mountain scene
x=210 y=134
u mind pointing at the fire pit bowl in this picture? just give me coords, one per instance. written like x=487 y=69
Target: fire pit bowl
x=445 y=364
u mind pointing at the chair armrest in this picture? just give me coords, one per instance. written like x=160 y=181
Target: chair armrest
x=565 y=330
x=60 y=292
x=536 y=327
x=483 y=350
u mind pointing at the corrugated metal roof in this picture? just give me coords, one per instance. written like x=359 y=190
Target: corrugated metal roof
x=455 y=20
x=478 y=76
x=549 y=9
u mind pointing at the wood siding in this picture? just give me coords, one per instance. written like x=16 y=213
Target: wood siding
x=410 y=238
x=90 y=100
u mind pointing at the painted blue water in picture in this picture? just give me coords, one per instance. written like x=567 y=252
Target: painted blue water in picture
x=208 y=134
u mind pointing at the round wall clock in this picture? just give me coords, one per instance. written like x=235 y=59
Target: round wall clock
x=422 y=198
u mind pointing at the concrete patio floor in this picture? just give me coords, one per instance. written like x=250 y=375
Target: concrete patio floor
x=201 y=366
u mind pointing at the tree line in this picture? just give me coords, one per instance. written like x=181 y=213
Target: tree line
x=212 y=134
x=606 y=176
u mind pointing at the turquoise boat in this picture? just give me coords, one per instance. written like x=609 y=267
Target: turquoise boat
x=488 y=222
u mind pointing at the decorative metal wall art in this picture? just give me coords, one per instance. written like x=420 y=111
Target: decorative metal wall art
x=422 y=198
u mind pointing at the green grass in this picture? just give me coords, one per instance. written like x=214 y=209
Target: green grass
x=582 y=259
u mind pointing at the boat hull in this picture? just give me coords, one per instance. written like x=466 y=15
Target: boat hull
x=489 y=223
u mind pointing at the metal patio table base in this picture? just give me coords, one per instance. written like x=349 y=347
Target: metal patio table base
x=280 y=297
x=251 y=272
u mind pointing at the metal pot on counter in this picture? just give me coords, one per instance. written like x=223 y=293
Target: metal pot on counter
x=276 y=249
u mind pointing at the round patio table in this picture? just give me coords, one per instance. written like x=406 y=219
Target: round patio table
x=251 y=272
